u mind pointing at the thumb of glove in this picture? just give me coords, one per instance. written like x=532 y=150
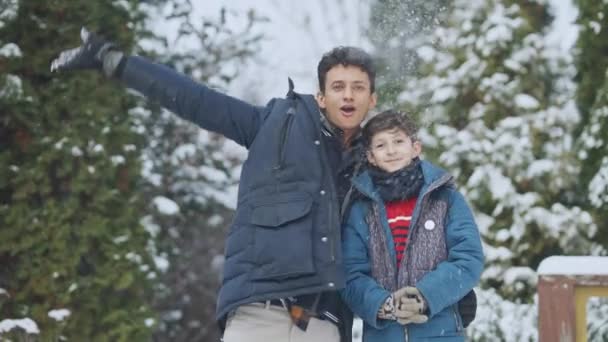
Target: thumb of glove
x=416 y=319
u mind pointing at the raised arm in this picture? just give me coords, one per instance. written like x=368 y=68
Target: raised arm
x=209 y=109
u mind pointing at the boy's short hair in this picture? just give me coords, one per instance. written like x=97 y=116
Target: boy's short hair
x=346 y=56
x=389 y=120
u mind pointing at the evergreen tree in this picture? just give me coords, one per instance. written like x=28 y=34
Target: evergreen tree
x=191 y=175
x=498 y=112
x=592 y=98
x=70 y=241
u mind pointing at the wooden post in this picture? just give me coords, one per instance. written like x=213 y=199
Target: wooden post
x=564 y=287
x=556 y=308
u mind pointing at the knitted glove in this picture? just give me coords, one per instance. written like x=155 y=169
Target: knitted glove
x=411 y=310
x=387 y=309
x=410 y=306
x=92 y=54
x=467 y=307
x=402 y=309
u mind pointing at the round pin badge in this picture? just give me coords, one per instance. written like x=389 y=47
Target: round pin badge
x=429 y=225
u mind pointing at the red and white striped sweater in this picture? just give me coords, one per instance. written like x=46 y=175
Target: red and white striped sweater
x=399 y=214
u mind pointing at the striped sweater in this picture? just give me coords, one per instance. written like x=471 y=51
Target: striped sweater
x=399 y=215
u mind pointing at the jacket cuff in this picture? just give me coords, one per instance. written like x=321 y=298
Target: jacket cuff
x=113 y=63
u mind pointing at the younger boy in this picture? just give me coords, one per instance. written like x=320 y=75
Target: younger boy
x=411 y=246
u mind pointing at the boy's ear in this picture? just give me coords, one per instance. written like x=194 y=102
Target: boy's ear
x=320 y=100
x=417 y=148
x=373 y=101
x=370 y=158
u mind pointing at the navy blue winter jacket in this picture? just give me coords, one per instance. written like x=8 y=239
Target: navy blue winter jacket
x=285 y=237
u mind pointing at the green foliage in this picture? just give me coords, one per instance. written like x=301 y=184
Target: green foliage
x=592 y=100
x=69 y=166
x=592 y=47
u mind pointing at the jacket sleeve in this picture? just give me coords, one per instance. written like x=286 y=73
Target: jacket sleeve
x=209 y=109
x=362 y=293
x=455 y=277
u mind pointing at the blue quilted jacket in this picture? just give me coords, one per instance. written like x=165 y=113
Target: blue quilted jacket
x=444 y=262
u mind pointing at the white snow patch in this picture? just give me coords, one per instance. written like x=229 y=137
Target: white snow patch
x=525 y=101
x=564 y=30
x=120 y=239
x=149 y=322
x=162 y=264
x=598 y=187
x=165 y=206
x=150 y=226
x=117 y=160
x=13 y=87
x=10 y=50
x=574 y=265
x=524 y=274
x=26 y=324
x=59 y=314
x=76 y=151
x=9 y=11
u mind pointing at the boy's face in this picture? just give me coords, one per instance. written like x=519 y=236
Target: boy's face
x=347 y=97
x=392 y=150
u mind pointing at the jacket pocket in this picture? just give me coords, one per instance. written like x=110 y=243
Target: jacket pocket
x=283 y=236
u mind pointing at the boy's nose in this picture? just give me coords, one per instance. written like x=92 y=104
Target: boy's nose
x=348 y=93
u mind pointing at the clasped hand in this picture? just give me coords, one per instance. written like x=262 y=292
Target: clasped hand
x=405 y=305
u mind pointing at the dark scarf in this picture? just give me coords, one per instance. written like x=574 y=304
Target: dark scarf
x=402 y=184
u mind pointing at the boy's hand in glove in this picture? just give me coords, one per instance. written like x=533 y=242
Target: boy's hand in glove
x=410 y=306
x=92 y=54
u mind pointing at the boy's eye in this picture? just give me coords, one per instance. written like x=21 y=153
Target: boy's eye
x=337 y=87
x=399 y=141
x=378 y=145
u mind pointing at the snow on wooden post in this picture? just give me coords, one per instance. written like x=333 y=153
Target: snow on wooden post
x=565 y=284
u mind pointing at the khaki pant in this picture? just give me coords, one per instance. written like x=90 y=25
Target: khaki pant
x=268 y=323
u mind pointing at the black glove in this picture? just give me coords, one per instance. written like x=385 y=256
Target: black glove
x=90 y=55
x=467 y=307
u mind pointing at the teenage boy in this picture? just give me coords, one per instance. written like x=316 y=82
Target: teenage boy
x=283 y=263
x=411 y=246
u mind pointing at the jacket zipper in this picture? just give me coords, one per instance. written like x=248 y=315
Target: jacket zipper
x=284 y=134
